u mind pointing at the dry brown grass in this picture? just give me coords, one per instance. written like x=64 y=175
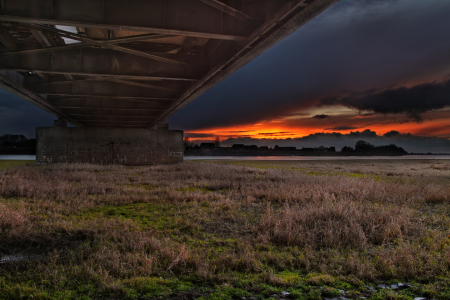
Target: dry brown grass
x=437 y=194
x=14 y=220
x=211 y=221
x=337 y=224
x=55 y=183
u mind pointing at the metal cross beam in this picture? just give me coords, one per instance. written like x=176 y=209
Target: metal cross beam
x=16 y=89
x=205 y=35
x=229 y=10
x=135 y=38
x=111 y=80
x=117 y=74
x=7 y=40
x=105 y=62
x=92 y=42
x=130 y=77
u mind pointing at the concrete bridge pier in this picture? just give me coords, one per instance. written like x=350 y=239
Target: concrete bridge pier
x=109 y=145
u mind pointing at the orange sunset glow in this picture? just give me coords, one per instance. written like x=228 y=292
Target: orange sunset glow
x=435 y=123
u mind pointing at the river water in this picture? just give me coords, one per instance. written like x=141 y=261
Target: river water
x=17 y=157
x=315 y=157
x=33 y=157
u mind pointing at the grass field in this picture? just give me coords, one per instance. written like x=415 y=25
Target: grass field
x=226 y=230
x=12 y=163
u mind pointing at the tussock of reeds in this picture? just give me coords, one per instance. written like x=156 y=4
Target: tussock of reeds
x=337 y=224
x=14 y=220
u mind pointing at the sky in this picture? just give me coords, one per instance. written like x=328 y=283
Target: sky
x=377 y=70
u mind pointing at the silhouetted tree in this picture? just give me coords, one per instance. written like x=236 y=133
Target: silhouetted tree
x=217 y=142
x=17 y=144
x=347 y=150
x=362 y=146
x=187 y=143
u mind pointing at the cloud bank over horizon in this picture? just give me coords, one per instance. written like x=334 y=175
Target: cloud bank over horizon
x=382 y=60
x=412 y=101
x=411 y=143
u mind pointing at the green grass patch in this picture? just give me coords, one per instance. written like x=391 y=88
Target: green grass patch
x=148 y=215
x=14 y=163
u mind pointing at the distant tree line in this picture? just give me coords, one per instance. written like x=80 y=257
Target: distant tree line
x=17 y=144
x=361 y=148
x=364 y=148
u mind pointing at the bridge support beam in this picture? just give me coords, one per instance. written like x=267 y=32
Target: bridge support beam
x=60 y=123
x=109 y=146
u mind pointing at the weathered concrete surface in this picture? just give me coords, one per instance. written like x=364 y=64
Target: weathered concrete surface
x=109 y=146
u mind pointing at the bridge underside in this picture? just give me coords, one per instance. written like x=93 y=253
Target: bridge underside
x=134 y=63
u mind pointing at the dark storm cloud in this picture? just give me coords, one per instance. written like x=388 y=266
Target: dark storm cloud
x=409 y=142
x=342 y=127
x=321 y=116
x=392 y=133
x=356 y=45
x=412 y=101
x=199 y=135
x=276 y=133
x=294 y=114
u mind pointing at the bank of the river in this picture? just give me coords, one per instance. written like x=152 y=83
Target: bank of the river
x=12 y=163
x=377 y=229
x=277 y=158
